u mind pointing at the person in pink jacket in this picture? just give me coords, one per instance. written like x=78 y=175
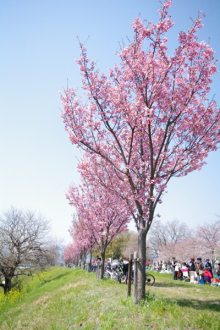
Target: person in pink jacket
x=207 y=275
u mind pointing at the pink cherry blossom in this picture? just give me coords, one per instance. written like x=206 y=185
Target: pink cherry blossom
x=149 y=121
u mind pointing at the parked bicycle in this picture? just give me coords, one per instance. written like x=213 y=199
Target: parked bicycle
x=111 y=272
x=119 y=273
x=149 y=279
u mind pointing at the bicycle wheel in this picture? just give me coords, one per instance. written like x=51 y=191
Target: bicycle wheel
x=106 y=275
x=115 y=277
x=123 y=278
x=150 y=279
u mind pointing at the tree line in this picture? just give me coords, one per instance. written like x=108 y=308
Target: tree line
x=165 y=241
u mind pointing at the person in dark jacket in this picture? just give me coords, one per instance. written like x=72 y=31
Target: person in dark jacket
x=209 y=265
x=218 y=269
x=174 y=262
x=192 y=269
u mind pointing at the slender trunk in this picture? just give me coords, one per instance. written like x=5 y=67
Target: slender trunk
x=90 y=258
x=102 y=263
x=83 y=259
x=7 y=286
x=141 y=264
x=213 y=262
x=129 y=274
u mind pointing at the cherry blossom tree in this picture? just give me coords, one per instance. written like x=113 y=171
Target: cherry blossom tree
x=102 y=216
x=151 y=119
x=208 y=239
x=203 y=241
x=82 y=238
x=70 y=253
x=182 y=250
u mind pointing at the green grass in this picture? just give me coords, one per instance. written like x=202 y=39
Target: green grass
x=73 y=299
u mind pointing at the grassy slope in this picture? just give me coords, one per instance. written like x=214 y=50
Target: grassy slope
x=73 y=299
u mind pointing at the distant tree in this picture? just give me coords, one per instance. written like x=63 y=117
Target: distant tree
x=25 y=245
x=132 y=245
x=208 y=239
x=168 y=233
x=83 y=239
x=181 y=250
x=116 y=247
x=179 y=242
x=71 y=253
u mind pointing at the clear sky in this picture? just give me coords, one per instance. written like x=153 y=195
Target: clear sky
x=38 y=49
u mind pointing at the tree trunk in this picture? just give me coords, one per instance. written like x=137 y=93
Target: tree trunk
x=7 y=286
x=83 y=260
x=213 y=262
x=90 y=258
x=141 y=264
x=102 y=264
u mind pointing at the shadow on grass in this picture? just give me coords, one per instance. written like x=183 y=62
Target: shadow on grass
x=195 y=303
x=213 y=305
x=173 y=284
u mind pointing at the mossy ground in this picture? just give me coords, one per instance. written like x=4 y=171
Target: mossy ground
x=73 y=299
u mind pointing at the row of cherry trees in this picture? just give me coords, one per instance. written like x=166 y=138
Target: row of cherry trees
x=148 y=121
x=100 y=216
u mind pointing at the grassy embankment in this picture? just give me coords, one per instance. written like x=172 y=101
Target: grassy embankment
x=73 y=299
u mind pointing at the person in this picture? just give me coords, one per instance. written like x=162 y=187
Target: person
x=207 y=275
x=147 y=265
x=125 y=267
x=174 y=262
x=209 y=265
x=154 y=265
x=192 y=269
x=177 y=270
x=98 y=258
x=164 y=266
x=199 y=269
x=218 y=269
x=185 y=270
x=179 y=275
x=120 y=260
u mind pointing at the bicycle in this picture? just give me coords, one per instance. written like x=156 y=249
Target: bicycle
x=150 y=279
x=111 y=273
x=123 y=273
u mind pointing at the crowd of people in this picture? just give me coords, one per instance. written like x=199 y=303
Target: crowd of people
x=195 y=271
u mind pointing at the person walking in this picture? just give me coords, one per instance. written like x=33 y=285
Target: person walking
x=192 y=269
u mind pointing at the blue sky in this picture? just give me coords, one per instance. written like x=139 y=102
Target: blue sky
x=38 y=52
